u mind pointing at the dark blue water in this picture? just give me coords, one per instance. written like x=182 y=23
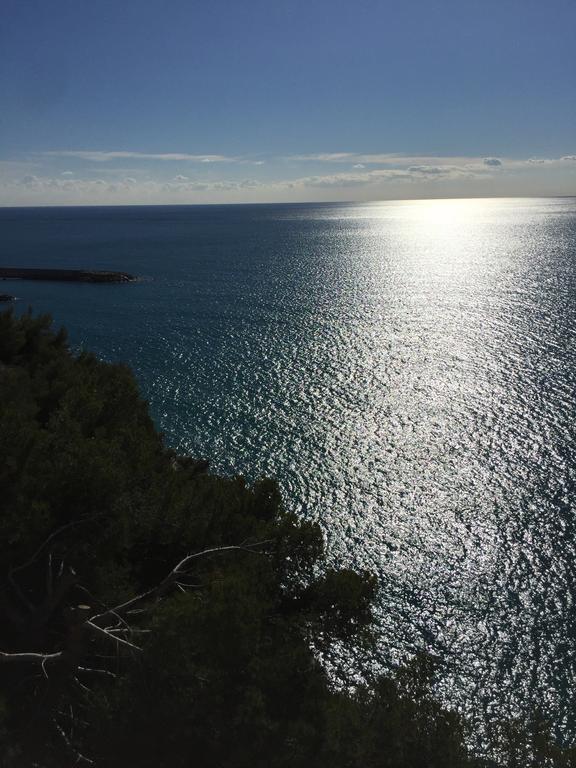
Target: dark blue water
x=406 y=370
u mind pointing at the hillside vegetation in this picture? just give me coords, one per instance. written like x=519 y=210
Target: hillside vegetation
x=153 y=614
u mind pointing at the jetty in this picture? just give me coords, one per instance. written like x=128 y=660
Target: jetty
x=66 y=275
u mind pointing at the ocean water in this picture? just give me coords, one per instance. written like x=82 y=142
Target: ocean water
x=407 y=370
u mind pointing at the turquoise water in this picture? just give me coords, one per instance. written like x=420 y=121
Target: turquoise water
x=405 y=369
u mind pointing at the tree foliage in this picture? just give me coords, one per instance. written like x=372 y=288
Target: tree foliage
x=153 y=614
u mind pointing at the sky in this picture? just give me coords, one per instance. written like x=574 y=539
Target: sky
x=179 y=101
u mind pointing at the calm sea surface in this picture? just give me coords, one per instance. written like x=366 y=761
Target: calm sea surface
x=407 y=370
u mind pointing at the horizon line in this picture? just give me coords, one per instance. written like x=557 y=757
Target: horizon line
x=295 y=202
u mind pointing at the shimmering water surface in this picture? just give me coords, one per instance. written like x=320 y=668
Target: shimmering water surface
x=406 y=370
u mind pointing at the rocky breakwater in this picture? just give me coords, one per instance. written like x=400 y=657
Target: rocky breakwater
x=67 y=275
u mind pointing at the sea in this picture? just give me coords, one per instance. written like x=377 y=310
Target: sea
x=407 y=372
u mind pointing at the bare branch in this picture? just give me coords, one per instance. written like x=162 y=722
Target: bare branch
x=241 y=547
x=42 y=658
x=91 y=671
x=50 y=538
x=80 y=758
x=104 y=633
x=92 y=597
x=57 y=593
x=71 y=716
x=174 y=577
x=44 y=668
x=82 y=686
x=29 y=562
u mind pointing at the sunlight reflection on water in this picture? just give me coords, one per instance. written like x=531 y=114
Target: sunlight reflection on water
x=407 y=371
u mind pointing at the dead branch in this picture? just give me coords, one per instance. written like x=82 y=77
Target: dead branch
x=83 y=687
x=173 y=578
x=91 y=671
x=80 y=758
x=30 y=561
x=41 y=658
x=51 y=538
x=105 y=633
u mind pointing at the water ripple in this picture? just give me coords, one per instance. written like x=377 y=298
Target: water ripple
x=407 y=371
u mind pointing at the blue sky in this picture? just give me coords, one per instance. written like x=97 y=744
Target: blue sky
x=144 y=101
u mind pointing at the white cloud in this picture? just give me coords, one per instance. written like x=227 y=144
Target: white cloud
x=369 y=178
x=430 y=170
x=352 y=176
x=390 y=159
x=104 y=157
x=427 y=164
x=324 y=157
x=557 y=161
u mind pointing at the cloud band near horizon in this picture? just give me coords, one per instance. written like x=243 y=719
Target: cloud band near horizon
x=69 y=177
